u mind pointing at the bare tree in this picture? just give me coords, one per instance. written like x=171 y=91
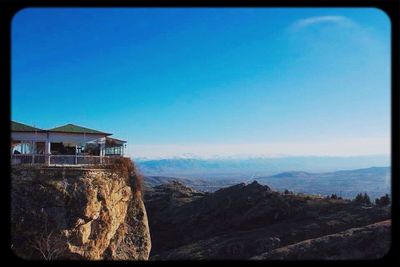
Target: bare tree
x=49 y=245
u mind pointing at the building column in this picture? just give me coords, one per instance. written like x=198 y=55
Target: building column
x=33 y=151
x=47 y=151
x=76 y=154
x=102 y=151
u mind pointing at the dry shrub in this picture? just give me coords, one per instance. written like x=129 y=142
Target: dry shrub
x=128 y=170
x=49 y=246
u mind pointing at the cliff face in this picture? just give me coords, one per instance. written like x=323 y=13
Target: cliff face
x=71 y=213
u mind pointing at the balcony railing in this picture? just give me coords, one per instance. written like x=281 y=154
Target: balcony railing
x=55 y=160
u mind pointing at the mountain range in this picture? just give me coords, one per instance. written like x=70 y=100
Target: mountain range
x=246 y=167
x=375 y=181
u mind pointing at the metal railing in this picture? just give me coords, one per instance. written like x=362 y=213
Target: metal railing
x=61 y=159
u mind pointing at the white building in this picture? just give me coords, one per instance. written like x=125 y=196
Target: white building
x=67 y=144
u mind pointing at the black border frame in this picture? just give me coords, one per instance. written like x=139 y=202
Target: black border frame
x=9 y=8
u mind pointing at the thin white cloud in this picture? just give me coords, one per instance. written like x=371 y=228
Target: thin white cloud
x=306 y=22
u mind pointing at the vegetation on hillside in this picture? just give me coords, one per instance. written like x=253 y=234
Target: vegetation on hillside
x=129 y=171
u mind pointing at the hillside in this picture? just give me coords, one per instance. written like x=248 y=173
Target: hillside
x=340 y=246
x=244 y=220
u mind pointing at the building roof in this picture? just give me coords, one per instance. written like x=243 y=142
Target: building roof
x=20 y=127
x=114 y=141
x=71 y=128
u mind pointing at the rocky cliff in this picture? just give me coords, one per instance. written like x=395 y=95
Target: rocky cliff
x=72 y=213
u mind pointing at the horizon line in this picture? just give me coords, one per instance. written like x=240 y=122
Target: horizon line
x=225 y=157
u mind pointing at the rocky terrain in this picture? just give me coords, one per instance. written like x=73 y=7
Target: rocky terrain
x=98 y=213
x=250 y=221
x=71 y=213
x=368 y=242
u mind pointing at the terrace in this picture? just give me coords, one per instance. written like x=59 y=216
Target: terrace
x=65 y=145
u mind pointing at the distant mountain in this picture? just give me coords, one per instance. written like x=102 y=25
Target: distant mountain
x=346 y=183
x=294 y=174
x=198 y=184
x=245 y=168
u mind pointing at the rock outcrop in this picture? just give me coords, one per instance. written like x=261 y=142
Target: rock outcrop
x=368 y=242
x=72 y=213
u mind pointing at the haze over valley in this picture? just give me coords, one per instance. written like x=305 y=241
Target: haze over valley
x=344 y=176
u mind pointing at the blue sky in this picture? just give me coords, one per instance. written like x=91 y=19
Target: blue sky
x=209 y=81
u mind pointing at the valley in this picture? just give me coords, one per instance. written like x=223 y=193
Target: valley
x=375 y=181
